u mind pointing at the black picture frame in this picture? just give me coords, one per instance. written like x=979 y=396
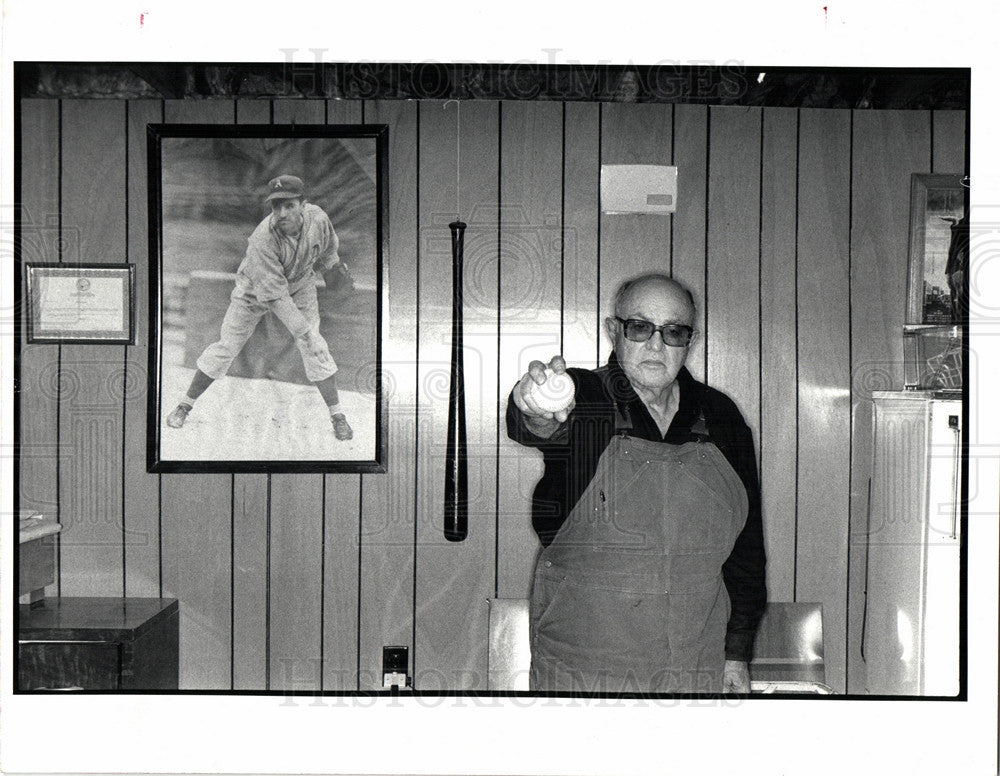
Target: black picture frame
x=79 y=303
x=207 y=191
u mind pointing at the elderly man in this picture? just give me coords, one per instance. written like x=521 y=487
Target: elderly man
x=278 y=274
x=651 y=575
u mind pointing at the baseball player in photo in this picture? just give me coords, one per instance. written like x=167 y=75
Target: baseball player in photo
x=278 y=274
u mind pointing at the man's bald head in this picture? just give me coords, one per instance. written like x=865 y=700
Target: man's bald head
x=652 y=281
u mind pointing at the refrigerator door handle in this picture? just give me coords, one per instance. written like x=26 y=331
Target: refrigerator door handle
x=956 y=476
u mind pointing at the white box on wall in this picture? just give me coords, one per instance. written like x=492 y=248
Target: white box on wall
x=638 y=188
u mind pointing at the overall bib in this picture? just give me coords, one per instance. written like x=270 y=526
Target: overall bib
x=629 y=596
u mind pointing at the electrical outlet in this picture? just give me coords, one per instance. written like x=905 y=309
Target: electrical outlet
x=395 y=667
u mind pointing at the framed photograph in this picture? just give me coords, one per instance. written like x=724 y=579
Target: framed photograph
x=267 y=247
x=85 y=303
x=939 y=250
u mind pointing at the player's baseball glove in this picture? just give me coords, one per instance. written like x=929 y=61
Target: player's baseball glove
x=339 y=283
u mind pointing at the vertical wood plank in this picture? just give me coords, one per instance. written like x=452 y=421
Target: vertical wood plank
x=688 y=246
x=253 y=111
x=296 y=533
x=342 y=526
x=249 y=584
x=824 y=375
x=633 y=243
x=39 y=364
x=888 y=146
x=142 y=489
x=581 y=325
x=196 y=515
x=777 y=366
x=295 y=573
x=531 y=156
x=732 y=341
x=92 y=399
x=249 y=540
x=388 y=508
x=455 y=579
x=949 y=142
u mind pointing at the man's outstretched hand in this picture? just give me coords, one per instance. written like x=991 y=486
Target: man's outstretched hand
x=735 y=677
x=540 y=421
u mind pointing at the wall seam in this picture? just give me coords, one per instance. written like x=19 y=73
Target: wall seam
x=361 y=512
x=124 y=449
x=673 y=151
x=59 y=253
x=600 y=220
x=159 y=476
x=562 y=239
x=496 y=462
x=795 y=554
x=760 y=306
x=267 y=586
x=708 y=193
x=361 y=498
x=850 y=392
x=322 y=584
x=416 y=406
x=232 y=580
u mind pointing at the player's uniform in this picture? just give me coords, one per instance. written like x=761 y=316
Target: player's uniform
x=278 y=274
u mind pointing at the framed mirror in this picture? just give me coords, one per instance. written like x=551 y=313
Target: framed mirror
x=939 y=250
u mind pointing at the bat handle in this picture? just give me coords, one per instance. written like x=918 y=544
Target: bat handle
x=456 y=474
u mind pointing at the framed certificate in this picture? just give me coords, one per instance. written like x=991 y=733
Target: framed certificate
x=80 y=303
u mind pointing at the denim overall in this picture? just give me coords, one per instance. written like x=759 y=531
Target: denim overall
x=629 y=596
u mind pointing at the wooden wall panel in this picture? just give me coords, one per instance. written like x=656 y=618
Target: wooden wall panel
x=250 y=669
x=948 y=153
x=452 y=583
x=688 y=238
x=581 y=321
x=142 y=490
x=92 y=399
x=732 y=339
x=275 y=574
x=389 y=511
x=196 y=518
x=778 y=347
x=296 y=589
x=39 y=364
x=296 y=581
x=888 y=146
x=632 y=243
x=531 y=270
x=824 y=375
x=342 y=526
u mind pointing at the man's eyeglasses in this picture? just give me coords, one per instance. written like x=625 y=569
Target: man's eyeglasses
x=676 y=335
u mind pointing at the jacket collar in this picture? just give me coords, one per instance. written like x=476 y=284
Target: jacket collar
x=690 y=416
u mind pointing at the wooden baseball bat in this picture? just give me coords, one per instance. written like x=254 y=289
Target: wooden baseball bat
x=456 y=464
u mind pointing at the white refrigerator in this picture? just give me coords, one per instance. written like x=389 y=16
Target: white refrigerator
x=910 y=637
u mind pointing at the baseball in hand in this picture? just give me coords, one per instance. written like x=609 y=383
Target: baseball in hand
x=555 y=394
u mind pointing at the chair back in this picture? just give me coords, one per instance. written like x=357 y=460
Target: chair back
x=510 y=646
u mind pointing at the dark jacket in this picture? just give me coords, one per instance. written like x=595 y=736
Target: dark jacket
x=572 y=453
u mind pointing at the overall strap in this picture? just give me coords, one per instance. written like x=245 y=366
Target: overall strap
x=623 y=420
x=700 y=428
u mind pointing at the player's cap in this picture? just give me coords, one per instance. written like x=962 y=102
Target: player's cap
x=284 y=187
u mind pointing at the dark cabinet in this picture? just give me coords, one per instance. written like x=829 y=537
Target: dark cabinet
x=98 y=644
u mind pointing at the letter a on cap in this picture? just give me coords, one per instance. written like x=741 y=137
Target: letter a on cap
x=284 y=187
